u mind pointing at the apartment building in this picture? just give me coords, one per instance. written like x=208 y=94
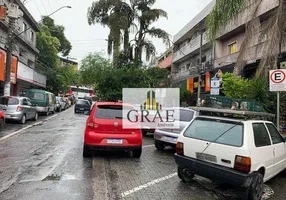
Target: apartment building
x=23 y=73
x=69 y=62
x=220 y=55
x=191 y=45
x=164 y=61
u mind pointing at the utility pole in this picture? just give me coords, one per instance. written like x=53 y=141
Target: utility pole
x=278 y=93
x=199 y=71
x=7 y=84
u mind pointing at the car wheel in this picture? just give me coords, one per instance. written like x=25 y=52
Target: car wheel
x=137 y=153
x=47 y=113
x=185 y=175
x=23 y=119
x=36 y=117
x=54 y=111
x=86 y=152
x=2 y=124
x=256 y=189
x=159 y=146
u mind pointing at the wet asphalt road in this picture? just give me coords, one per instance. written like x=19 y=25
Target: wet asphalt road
x=45 y=162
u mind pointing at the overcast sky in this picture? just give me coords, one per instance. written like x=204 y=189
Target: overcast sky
x=85 y=38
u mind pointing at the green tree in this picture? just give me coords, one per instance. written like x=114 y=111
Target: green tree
x=146 y=16
x=273 y=28
x=58 y=31
x=118 y=16
x=235 y=86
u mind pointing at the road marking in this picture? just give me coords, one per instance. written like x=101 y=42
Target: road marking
x=152 y=145
x=29 y=126
x=124 y=194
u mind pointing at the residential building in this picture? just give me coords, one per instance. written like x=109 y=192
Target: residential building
x=164 y=61
x=69 y=62
x=191 y=47
x=23 y=73
x=220 y=55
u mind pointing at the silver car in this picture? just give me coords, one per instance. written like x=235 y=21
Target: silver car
x=60 y=104
x=18 y=108
x=168 y=137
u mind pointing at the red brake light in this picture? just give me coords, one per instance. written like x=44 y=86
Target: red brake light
x=180 y=148
x=242 y=164
x=91 y=124
x=19 y=108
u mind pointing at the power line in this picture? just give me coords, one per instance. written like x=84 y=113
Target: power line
x=38 y=8
x=44 y=6
x=50 y=6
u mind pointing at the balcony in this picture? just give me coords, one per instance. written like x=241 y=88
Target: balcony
x=192 y=46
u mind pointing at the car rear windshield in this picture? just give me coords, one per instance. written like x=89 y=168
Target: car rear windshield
x=109 y=112
x=83 y=102
x=9 y=101
x=217 y=131
x=37 y=96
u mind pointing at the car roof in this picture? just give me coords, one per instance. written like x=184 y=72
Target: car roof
x=102 y=103
x=221 y=118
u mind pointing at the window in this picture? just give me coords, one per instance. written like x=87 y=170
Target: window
x=29 y=102
x=261 y=137
x=217 y=131
x=32 y=36
x=186 y=116
x=275 y=135
x=25 y=102
x=24 y=27
x=110 y=112
x=232 y=48
x=36 y=96
x=204 y=58
x=9 y=101
x=188 y=66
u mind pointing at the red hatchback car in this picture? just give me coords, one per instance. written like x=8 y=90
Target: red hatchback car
x=104 y=131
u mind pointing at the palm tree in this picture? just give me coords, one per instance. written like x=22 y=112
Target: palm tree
x=118 y=16
x=273 y=29
x=146 y=16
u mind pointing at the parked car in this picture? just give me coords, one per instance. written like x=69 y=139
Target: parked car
x=45 y=101
x=61 y=104
x=168 y=137
x=104 y=131
x=18 y=108
x=2 y=120
x=240 y=152
x=82 y=106
x=89 y=99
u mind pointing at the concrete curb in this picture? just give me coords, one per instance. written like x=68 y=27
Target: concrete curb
x=30 y=126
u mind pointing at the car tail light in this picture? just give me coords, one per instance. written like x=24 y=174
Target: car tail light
x=19 y=108
x=242 y=164
x=92 y=125
x=180 y=148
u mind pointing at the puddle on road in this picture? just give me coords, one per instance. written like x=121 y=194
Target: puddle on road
x=52 y=177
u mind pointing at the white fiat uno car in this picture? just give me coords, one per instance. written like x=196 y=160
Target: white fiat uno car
x=242 y=152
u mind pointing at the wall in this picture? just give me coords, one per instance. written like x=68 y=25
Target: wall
x=237 y=38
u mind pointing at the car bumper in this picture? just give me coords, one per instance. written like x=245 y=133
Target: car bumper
x=42 y=109
x=113 y=148
x=166 y=137
x=15 y=116
x=215 y=172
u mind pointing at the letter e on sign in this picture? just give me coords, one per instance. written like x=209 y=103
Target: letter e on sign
x=277 y=80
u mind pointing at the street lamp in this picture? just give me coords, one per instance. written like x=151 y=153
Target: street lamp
x=10 y=40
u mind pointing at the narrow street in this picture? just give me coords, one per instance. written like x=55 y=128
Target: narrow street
x=45 y=162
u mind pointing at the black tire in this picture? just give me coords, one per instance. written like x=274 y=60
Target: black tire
x=54 y=111
x=47 y=113
x=137 y=153
x=2 y=124
x=185 y=175
x=23 y=119
x=60 y=109
x=86 y=153
x=36 y=117
x=255 y=191
x=159 y=146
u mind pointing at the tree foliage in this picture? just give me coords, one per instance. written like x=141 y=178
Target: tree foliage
x=58 y=32
x=123 y=18
x=109 y=80
x=58 y=77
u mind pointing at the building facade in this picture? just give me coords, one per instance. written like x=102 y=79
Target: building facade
x=220 y=55
x=69 y=62
x=23 y=73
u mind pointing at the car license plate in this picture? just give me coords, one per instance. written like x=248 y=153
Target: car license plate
x=8 y=116
x=114 y=141
x=169 y=139
x=81 y=108
x=206 y=157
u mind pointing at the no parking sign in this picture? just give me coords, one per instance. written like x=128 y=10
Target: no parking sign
x=277 y=80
